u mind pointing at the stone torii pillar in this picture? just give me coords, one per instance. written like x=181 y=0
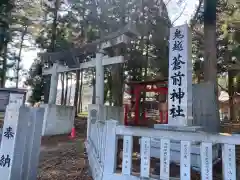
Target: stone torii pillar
x=99 y=79
x=53 y=85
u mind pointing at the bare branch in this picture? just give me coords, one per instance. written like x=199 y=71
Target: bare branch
x=168 y=2
x=196 y=13
x=181 y=13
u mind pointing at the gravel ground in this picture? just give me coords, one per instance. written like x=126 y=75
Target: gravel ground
x=65 y=162
x=62 y=158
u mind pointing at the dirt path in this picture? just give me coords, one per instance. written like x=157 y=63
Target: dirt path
x=62 y=158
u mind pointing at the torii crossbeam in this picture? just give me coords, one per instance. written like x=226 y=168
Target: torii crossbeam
x=98 y=62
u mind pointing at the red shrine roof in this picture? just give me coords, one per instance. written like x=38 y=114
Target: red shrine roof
x=150 y=82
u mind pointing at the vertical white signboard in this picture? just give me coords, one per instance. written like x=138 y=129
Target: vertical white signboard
x=165 y=159
x=185 y=167
x=16 y=99
x=13 y=142
x=8 y=142
x=145 y=157
x=180 y=77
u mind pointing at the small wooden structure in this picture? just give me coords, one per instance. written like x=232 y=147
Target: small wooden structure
x=138 y=105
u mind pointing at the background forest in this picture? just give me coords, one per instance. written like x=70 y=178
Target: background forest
x=57 y=25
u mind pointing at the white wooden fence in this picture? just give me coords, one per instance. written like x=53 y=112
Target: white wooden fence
x=102 y=142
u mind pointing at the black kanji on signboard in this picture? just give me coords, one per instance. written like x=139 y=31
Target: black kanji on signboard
x=177 y=62
x=176 y=111
x=177 y=46
x=178 y=34
x=177 y=95
x=9 y=133
x=5 y=161
x=177 y=78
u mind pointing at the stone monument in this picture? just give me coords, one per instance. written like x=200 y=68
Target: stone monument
x=20 y=144
x=180 y=109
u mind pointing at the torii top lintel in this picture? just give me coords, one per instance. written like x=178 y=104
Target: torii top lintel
x=116 y=38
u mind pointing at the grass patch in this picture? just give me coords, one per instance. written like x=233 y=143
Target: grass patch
x=83 y=114
x=80 y=147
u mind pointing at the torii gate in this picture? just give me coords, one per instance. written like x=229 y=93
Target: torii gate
x=99 y=62
x=114 y=40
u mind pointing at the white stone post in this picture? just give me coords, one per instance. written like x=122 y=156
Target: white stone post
x=99 y=79
x=33 y=144
x=14 y=134
x=53 y=85
x=110 y=153
x=180 y=77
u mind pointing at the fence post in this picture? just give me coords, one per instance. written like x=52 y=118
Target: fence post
x=110 y=148
x=33 y=144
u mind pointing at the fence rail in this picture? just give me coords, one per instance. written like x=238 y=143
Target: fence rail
x=102 y=151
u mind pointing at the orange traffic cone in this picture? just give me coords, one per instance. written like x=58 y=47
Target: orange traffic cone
x=73 y=133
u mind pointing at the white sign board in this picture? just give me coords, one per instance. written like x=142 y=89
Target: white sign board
x=8 y=142
x=16 y=99
x=206 y=161
x=145 y=157
x=13 y=141
x=180 y=77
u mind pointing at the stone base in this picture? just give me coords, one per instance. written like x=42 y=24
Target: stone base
x=167 y=127
x=108 y=112
x=57 y=119
x=176 y=146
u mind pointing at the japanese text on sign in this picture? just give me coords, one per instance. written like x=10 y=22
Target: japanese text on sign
x=177 y=93
x=9 y=134
x=145 y=153
x=206 y=159
x=165 y=157
x=5 y=161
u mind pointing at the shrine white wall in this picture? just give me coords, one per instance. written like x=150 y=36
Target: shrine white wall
x=57 y=119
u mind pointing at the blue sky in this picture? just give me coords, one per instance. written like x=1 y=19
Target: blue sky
x=173 y=9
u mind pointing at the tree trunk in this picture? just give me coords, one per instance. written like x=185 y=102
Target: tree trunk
x=54 y=25
x=237 y=115
x=210 y=53
x=51 y=49
x=238 y=83
x=117 y=78
x=4 y=66
x=19 y=55
x=76 y=96
x=94 y=90
x=117 y=89
x=146 y=69
x=80 y=94
x=110 y=85
x=63 y=87
x=66 y=90
x=70 y=90
x=231 y=94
